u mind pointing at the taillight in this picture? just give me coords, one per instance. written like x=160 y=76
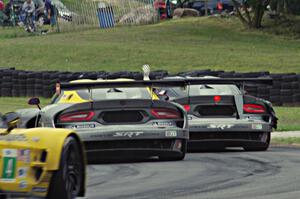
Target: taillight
x=77 y=117
x=162 y=113
x=217 y=98
x=187 y=107
x=254 y=108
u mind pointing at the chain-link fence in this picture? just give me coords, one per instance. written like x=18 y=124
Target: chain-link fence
x=83 y=14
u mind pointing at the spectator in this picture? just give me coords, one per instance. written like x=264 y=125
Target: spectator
x=28 y=8
x=220 y=6
x=1 y=5
x=51 y=13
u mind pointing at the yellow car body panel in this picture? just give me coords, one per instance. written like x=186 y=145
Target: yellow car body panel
x=71 y=97
x=28 y=158
x=74 y=98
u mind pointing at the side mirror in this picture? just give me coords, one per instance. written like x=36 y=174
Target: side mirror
x=11 y=119
x=163 y=95
x=34 y=101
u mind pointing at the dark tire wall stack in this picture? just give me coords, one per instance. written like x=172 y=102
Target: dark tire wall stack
x=18 y=83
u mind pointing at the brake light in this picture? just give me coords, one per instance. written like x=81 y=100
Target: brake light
x=254 y=108
x=217 y=98
x=162 y=113
x=187 y=107
x=77 y=117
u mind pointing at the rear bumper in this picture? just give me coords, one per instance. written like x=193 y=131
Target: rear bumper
x=133 y=148
x=221 y=144
x=228 y=134
x=130 y=153
x=116 y=141
x=229 y=126
x=127 y=133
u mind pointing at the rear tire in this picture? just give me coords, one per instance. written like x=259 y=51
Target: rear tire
x=176 y=158
x=264 y=148
x=67 y=181
x=3 y=197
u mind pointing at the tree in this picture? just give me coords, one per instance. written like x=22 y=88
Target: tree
x=286 y=6
x=251 y=12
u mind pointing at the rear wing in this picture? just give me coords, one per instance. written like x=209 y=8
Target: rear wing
x=235 y=81
x=165 y=83
x=122 y=84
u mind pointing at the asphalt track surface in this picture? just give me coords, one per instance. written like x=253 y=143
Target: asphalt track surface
x=274 y=174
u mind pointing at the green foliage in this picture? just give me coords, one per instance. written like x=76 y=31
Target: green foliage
x=290 y=6
x=252 y=2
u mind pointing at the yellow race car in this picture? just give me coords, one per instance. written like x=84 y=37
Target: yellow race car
x=40 y=162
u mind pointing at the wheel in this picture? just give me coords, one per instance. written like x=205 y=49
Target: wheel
x=3 y=197
x=266 y=137
x=67 y=181
x=176 y=158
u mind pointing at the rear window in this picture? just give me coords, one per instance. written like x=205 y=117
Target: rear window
x=120 y=93
x=109 y=93
x=196 y=90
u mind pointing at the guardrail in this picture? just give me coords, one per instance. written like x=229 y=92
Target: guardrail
x=17 y=83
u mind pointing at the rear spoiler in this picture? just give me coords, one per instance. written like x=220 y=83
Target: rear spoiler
x=164 y=83
x=123 y=84
x=236 y=81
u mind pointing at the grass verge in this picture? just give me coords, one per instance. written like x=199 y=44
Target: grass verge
x=289 y=118
x=175 y=45
x=8 y=104
x=286 y=141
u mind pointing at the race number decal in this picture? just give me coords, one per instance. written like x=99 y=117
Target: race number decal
x=9 y=165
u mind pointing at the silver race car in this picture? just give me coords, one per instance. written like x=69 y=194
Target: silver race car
x=116 y=118
x=221 y=114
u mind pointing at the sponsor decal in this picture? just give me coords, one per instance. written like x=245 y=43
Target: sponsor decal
x=220 y=126
x=171 y=133
x=35 y=139
x=22 y=172
x=128 y=134
x=13 y=137
x=39 y=189
x=9 y=165
x=23 y=184
x=257 y=126
x=83 y=126
x=163 y=124
x=24 y=155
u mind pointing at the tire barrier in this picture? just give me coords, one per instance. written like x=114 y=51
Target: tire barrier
x=19 y=83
